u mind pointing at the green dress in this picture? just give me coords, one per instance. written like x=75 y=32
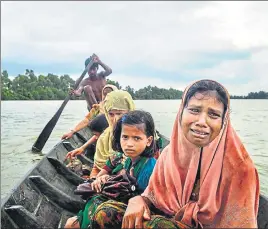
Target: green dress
x=143 y=169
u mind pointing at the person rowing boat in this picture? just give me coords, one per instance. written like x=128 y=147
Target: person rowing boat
x=94 y=84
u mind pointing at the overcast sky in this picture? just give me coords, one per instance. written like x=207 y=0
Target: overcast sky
x=163 y=44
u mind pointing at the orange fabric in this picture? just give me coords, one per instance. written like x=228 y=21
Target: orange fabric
x=94 y=171
x=229 y=190
x=157 y=154
x=95 y=110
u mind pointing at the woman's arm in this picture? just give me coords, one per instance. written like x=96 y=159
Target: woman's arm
x=81 y=125
x=93 y=139
x=78 y=127
x=102 y=172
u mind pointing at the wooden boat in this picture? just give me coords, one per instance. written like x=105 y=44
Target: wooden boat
x=45 y=199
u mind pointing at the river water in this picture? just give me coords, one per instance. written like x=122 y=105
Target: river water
x=22 y=122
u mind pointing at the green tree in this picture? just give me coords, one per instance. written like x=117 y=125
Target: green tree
x=131 y=91
x=28 y=86
x=115 y=83
x=6 y=92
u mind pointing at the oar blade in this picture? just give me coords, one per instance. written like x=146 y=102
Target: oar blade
x=46 y=132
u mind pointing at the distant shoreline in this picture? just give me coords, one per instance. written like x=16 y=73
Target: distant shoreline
x=28 y=86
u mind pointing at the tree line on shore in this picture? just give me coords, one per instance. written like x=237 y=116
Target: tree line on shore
x=28 y=86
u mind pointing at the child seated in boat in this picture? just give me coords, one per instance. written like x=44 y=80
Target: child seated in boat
x=133 y=140
x=97 y=126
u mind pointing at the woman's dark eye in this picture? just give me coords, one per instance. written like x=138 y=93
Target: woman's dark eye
x=136 y=138
x=214 y=115
x=124 y=137
x=193 y=110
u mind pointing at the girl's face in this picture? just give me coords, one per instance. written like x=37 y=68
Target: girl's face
x=202 y=119
x=133 y=140
x=114 y=115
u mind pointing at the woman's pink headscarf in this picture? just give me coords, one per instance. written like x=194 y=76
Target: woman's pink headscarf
x=229 y=184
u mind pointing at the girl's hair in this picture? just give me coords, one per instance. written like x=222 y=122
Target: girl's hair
x=204 y=87
x=98 y=124
x=134 y=118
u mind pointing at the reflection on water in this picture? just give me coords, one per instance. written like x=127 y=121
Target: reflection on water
x=22 y=122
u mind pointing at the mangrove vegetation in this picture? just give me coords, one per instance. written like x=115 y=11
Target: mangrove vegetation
x=28 y=86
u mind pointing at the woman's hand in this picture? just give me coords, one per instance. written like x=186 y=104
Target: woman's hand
x=68 y=135
x=137 y=210
x=75 y=152
x=96 y=184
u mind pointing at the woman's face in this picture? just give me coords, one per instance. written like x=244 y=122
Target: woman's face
x=114 y=115
x=202 y=118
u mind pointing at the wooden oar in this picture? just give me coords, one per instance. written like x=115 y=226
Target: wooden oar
x=43 y=137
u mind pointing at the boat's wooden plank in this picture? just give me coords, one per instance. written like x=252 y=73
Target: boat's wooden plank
x=68 y=145
x=49 y=172
x=85 y=133
x=263 y=212
x=26 y=196
x=48 y=213
x=81 y=138
x=57 y=196
x=7 y=222
x=23 y=218
x=67 y=173
x=85 y=160
x=75 y=141
x=60 y=151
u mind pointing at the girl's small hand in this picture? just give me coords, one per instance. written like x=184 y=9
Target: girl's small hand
x=96 y=185
x=103 y=178
x=75 y=152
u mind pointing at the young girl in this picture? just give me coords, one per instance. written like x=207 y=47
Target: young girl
x=116 y=104
x=133 y=139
